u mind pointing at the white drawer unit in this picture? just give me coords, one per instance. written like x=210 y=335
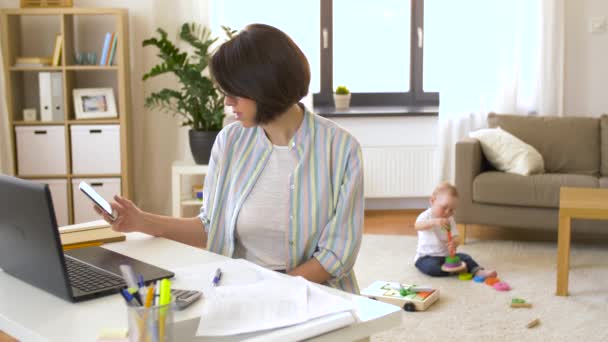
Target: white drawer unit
x=83 y=206
x=59 y=194
x=41 y=150
x=95 y=149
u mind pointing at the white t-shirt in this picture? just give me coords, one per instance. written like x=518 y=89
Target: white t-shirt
x=263 y=221
x=433 y=241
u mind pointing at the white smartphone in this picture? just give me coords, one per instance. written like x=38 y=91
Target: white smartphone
x=97 y=199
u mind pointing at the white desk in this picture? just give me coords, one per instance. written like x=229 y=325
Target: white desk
x=30 y=314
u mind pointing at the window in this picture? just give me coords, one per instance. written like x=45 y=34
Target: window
x=375 y=48
x=303 y=27
x=385 y=42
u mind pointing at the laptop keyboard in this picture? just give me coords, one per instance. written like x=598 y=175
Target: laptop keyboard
x=89 y=279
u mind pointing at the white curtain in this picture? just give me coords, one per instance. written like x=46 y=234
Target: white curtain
x=503 y=56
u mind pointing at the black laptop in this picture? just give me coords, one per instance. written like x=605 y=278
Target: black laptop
x=30 y=248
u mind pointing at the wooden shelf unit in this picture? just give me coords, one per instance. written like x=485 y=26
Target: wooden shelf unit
x=179 y=169
x=12 y=22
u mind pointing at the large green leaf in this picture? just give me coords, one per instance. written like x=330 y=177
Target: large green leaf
x=197 y=102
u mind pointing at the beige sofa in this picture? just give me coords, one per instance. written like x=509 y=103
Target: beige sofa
x=575 y=152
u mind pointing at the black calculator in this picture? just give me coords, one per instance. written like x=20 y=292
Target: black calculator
x=183 y=298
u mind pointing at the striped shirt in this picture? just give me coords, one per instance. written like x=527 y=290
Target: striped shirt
x=326 y=194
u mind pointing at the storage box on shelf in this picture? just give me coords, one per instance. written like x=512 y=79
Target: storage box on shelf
x=60 y=151
x=41 y=151
x=95 y=149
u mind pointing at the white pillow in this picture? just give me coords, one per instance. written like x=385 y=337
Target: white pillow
x=507 y=153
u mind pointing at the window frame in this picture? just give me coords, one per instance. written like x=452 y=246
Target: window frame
x=415 y=97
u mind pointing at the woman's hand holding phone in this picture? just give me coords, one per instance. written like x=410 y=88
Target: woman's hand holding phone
x=129 y=217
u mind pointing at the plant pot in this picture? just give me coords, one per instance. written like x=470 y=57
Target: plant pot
x=201 y=143
x=342 y=101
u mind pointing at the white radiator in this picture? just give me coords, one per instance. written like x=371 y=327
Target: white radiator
x=400 y=171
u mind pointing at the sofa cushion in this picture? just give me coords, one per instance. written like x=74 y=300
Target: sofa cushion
x=536 y=190
x=604 y=145
x=568 y=144
x=508 y=153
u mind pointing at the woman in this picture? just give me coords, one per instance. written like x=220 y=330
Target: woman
x=284 y=187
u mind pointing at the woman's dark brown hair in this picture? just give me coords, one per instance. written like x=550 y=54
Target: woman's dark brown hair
x=263 y=64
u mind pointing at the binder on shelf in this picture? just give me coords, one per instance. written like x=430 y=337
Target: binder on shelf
x=51 y=96
x=106 y=47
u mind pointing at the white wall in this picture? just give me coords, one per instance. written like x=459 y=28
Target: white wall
x=586 y=69
x=393 y=132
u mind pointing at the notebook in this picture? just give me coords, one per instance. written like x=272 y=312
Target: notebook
x=87 y=234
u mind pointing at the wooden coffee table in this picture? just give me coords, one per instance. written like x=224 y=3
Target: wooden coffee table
x=575 y=203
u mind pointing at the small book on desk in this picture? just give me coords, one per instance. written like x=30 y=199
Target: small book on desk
x=88 y=234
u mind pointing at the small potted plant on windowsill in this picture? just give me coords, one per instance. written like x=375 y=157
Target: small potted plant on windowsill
x=342 y=97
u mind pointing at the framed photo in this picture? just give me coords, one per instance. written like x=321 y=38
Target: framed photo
x=92 y=103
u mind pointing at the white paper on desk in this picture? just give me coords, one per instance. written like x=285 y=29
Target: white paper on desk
x=267 y=304
x=248 y=289
x=234 y=272
x=238 y=272
x=321 y=303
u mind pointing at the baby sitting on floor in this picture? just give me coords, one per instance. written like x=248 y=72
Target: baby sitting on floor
x=433 y=245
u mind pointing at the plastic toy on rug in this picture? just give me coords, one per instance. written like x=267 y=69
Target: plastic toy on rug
x=479 y=279
x=465 y=276
x=520 y=303
x=409 y=297
x=452 y=263
x=501 y=286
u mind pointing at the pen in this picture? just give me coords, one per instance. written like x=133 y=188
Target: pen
x=156 y=293
x=165 y=299
x=131 y=280
x=142 y=285
x=149 y=296
x=128 y=297
x=217 y=277
x=165 y=292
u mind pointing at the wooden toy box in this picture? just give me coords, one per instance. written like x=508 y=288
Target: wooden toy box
x=388 y=292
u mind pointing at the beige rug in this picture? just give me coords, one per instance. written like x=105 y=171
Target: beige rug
x=469 y=311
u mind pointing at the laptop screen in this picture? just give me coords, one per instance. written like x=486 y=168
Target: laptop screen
x=30 y=247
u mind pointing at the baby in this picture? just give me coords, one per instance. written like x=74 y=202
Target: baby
x=433 y=244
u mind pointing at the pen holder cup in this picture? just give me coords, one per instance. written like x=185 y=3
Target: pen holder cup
x=151 y=324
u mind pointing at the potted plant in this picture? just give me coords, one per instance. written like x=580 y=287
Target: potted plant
x=342 y=97
x=196 y=102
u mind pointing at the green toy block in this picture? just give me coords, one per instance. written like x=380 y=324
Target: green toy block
x=452 y=259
